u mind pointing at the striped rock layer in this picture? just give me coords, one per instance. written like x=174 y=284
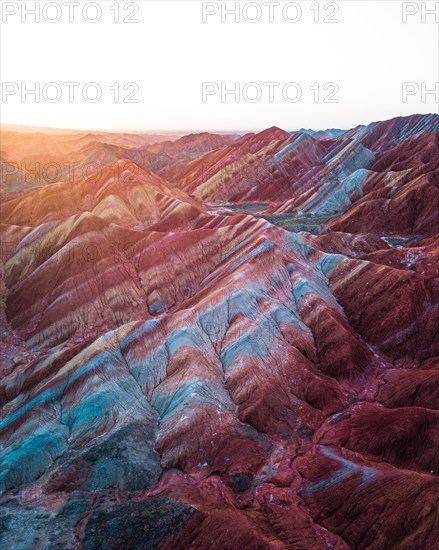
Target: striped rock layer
x=231 y=343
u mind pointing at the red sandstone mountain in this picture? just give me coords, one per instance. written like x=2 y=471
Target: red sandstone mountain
x=190 y=144
x=241 y=355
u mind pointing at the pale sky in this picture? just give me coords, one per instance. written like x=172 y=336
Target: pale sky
x=170 y=52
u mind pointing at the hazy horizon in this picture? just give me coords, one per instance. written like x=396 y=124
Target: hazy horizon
x=11 y=127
